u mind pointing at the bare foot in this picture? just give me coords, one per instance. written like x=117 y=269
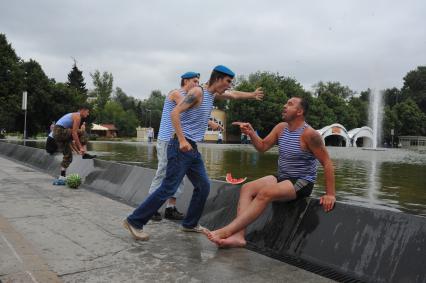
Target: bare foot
x=215 y=236
x=235 y=241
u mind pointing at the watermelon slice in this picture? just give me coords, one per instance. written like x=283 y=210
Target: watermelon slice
x=234 y=181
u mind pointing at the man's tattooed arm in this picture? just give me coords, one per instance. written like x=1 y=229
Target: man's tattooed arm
x=189 y=99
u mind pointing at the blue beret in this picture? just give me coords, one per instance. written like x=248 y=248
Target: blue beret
x=225 y=70
x=190 y=75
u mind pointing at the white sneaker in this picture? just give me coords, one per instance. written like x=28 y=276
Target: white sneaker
x=62 y=178
x=196 y=229
x=138 y=234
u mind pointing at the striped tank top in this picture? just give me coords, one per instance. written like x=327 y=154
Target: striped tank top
x=166 y=127
x=293 y=162
x=195 y=120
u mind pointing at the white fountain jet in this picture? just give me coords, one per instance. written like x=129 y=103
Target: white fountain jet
x=375 y=116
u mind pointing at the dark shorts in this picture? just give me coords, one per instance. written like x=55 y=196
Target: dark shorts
x=302 y=187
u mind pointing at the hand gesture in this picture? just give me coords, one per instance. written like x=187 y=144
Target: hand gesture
x=258 y=94
x=245 y=127
x=327 y=202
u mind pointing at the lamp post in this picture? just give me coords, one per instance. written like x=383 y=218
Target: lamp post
x=24 y=107
x=149 y=110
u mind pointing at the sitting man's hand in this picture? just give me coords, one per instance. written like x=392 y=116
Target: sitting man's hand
x=246 y=128
x=327 y=202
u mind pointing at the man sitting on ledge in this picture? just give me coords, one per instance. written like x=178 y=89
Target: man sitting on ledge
x=300 y=146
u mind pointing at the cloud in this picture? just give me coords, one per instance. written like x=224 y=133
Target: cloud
x=148 y=45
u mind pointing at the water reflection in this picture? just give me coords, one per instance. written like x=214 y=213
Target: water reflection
x=394 y=179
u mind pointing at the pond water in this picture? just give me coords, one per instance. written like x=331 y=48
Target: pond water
x=394 y=179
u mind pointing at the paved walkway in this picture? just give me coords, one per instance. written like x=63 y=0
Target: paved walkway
x=55 y=234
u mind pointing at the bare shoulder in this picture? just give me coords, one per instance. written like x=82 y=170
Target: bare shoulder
x=196 y=90
x=76 y=116
x=279 y=128
x=173 y=94
x=312 y=137
x=193 y=95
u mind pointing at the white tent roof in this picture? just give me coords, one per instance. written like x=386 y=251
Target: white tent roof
x=97 y=127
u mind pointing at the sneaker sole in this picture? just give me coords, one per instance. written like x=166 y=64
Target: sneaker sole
x=191 y=230
x=126 y=225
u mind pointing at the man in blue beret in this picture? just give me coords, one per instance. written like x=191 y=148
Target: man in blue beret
x=189 y=119
x=188 y=81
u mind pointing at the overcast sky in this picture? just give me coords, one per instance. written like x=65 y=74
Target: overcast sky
x=147 y=45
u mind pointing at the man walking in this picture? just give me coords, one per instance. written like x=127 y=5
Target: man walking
x=165 y=133
x=300 y=146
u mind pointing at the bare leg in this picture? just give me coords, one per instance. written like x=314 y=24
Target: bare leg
x=279 y=191
x=247 y=194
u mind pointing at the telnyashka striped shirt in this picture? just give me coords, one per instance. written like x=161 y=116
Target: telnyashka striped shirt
x=194 y=121
x=166 y=127
x=293 y=162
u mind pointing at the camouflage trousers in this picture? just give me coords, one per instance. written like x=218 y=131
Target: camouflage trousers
x=63 y=139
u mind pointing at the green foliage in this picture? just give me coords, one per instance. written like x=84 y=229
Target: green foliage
x=415 y=87
x=266 y=114
x=11 y=85
x=330 y=102
x=76 y=80
x=151 y=110
x=102 y=92
x=125 y=121
x=333 y=88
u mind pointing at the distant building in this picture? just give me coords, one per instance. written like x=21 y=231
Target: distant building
x=413 y=142
x=335 y=135
x=361 y=137
x=218 y=116
x=104 y=130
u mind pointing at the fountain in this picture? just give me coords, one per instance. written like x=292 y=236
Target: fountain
x=375 y=117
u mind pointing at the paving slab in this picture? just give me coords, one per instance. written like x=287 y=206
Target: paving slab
x=53 y=233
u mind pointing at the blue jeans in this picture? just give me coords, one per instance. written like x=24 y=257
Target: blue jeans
x=179 y=163
x=160 y=174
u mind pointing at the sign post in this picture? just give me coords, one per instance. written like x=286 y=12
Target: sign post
x=24 y=107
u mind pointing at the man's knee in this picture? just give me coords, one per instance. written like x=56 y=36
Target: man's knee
x=264 y=195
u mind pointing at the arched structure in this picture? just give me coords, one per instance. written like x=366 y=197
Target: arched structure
x=361 y=137
x=335 y=135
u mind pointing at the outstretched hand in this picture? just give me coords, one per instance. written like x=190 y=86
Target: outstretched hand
x=258 y=94
x=327 y=202
x=245 y=127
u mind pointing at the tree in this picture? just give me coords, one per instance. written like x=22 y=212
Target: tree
x=76 y=80
x=392 y=96
x=11 y=85
x=413 y=120
x=101 y=93
x=39 y=98
x=128 y=103
x=125 y=121
x=415 y=87
x=334 y=88
x=151 y=110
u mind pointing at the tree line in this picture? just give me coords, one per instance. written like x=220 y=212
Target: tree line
x=330 y=102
